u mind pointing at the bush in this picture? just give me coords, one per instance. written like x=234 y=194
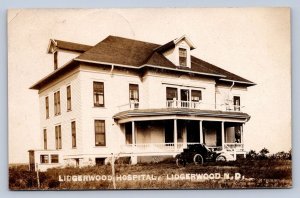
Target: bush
x=263 y=155
x=282 y=155
x=53 y=183
x=123 y=160
x=252 y=154
x=21 y=179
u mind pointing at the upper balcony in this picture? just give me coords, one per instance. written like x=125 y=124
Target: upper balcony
x=181 y=104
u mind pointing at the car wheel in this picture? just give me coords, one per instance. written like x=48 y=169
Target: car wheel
x=180 y=162
x=198 y=159
x=221 y=158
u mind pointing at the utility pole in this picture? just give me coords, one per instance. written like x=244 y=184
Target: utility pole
x=113 y=171
x=37 y=175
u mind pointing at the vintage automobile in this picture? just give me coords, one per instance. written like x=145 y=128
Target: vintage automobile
x=199 y=154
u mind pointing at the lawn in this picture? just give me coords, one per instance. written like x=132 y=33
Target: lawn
x=164 y=175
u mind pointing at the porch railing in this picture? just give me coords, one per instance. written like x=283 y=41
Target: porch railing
x=155 y=147
x=170 y=147
x=234 y=146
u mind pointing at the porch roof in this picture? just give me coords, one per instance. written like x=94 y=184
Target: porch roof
x=179 y=112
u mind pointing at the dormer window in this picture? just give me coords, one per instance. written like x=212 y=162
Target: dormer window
x=182 y=57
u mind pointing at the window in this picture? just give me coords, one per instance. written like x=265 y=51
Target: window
x=99 y=161
x=73 y=126
x=171 y=97
x=182 y=57
x=47 y=107
x=171 y=93
x=98 y=94
x=99 y=133
x=134 y=95
x=196 y=95
x=69 y=105
x=57 y=103
x=44 y=159
x=54 y=159
x=58 y=137
x=237 y=103
x=45 y=138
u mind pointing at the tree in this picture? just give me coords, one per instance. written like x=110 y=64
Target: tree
x=252 y=154
x=263 y=153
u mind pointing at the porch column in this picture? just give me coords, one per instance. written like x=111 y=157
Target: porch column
x=223 y=134
x=175 y=134
x=242 y=133
x=133 y=133
x=201 y=132
x=190 y=99
x=133 y=157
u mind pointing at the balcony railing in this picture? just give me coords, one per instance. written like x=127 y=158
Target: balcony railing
x=188 y=105
x=201 y=105
x=129 y=106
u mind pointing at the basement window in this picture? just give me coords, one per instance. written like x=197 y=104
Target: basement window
x=99 y=161
x=54 y=159
x=44 y=159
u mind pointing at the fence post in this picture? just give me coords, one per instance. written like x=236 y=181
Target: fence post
x=37 y=175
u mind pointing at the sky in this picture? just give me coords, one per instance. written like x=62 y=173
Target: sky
x=254 y=43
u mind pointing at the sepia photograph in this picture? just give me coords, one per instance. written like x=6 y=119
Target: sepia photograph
x=149 y=98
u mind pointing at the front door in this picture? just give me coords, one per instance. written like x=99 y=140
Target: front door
x=193 y=131
x=185 y=98
x=169 y=131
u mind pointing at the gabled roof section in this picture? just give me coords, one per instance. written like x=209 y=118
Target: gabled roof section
x=189 y=42
x=174 y=42
x=158 y=59
x=55 y=45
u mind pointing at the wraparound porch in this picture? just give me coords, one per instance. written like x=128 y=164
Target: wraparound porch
x=171 y=136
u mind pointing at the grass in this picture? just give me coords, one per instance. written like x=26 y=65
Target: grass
x=257 y=173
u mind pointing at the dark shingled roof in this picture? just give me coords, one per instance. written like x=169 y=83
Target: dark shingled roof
x=119 y=50
x=165 y=47
x=197 y=63
x=76 y=47
x=138 y=54
x=124 y=51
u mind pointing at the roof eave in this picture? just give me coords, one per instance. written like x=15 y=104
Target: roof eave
x=163 y=112
x=148 y=65
x=37 y=84
x=181 y=70
x=240 y=82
